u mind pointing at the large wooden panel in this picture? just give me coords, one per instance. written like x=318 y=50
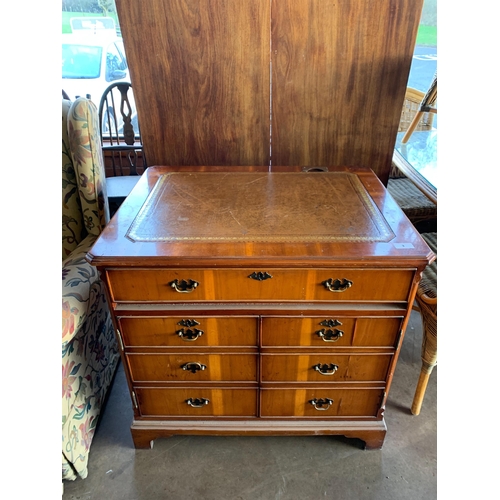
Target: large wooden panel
x=200 y=73
x=339 y=70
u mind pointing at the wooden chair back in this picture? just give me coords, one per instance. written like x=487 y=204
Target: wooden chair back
x=120 y=132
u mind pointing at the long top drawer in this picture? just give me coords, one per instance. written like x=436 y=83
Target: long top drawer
x=191 y=285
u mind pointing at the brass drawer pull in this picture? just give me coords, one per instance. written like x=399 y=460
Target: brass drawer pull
x=330 y=335
x=189 y=335
x=326 y=369
x=327 y=322
x=192 y=322
x=193 y=367
x=321 y=404
x=197 y=402
x=184 y=286
x=260 y=276
x=336 y=285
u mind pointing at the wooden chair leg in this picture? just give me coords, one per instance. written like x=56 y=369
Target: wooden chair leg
x=412 y=127
x=423 y=380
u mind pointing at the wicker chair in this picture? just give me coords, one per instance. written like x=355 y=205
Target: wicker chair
x=427 y=303
x=417 y=207
x=425 y=112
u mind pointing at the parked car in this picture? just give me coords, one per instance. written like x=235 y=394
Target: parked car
x=91 y=62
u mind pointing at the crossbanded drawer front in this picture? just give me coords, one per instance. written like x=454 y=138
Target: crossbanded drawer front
x=191 y=285
x=189 y=331
x=320 y=402
x=330 y=332
x=185 y=367
x=325 y=367
x=197 y=402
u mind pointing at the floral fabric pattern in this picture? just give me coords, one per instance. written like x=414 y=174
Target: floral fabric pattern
x=89 y=351
x=73 y=230
x=86 y=153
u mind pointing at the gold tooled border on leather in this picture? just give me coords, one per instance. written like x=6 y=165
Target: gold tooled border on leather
x=138 y=230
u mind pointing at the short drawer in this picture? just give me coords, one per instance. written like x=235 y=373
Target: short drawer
x=330 y=332
x=325 y=367
x=197 y=402
x=188 y=285
x=320 y=402
x=188 y=332
x=185 y=367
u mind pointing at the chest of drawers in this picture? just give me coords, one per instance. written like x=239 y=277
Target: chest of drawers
x=259 y=303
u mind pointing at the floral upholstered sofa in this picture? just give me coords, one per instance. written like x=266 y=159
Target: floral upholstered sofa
x=89 y=351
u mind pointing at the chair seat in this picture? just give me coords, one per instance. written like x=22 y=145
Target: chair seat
x=119 y=187
x=428 y=283
x=416 y=206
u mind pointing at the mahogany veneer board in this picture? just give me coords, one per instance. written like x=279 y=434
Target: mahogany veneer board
x=202 y=79
x=340 y=70
x=200 y=75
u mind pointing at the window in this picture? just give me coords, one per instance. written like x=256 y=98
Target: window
x=81 y=61
x=116 y=64
x=424 y=63
x=93 y=54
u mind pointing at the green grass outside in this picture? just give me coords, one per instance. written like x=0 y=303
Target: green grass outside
x=66 y=16
x=427 y=35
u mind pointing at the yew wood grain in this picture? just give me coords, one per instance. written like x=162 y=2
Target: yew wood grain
x=300 y=367
x=261 y=389
x=169 y=367
x=222 y=402
x=296 y=402
x=346 y=332
x=339 y=73
x=144 y=285
x=164 y=332
x=200 y=74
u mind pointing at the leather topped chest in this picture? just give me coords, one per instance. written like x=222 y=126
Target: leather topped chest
x=259 y=303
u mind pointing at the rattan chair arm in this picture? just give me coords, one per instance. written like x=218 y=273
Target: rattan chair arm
x=428 y=300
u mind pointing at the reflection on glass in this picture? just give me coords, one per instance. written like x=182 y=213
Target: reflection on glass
x=421 y=152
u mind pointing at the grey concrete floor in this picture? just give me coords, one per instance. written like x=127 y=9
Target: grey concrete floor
x=269 y=468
